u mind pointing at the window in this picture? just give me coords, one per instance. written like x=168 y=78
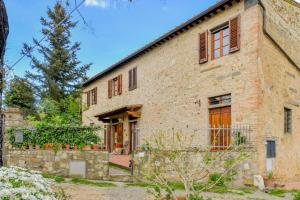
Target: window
x=115 y=86
x=224 y=99
x=220 y=43
x=132 y=79
x=92 y=97
x=287 y=120
x=271 y=149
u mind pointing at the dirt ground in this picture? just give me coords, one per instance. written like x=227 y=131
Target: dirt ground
x=123 y=192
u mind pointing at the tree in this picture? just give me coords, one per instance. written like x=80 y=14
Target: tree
x=20 y=94
x=59 y=73
x=167 y=162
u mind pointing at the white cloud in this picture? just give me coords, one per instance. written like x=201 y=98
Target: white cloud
x=97 y=3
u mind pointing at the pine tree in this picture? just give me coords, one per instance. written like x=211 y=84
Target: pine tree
x=59 y=73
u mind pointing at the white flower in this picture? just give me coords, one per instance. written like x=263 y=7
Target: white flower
x=19 y=183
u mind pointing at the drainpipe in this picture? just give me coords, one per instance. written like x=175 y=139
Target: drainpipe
x=271 y=38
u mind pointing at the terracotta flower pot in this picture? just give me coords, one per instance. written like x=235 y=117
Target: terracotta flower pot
x=68 y=147
x=48 y=146
x=75 y=148
x=37 y=147
x=87 y=147
x=96 y=147
x=269 y=183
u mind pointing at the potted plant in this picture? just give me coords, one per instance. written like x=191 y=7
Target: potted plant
x=67 y=147
x=87 y=147
x=30 y=146
x=269 y=180
x=48 y=146
x=37 y=147
x=96 y=147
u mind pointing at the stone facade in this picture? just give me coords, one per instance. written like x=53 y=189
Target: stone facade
x=174 y=88
x=59 y=163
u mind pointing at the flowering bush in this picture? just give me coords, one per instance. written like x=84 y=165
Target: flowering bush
x=20 y=184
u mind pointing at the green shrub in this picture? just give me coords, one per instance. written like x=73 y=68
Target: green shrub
x=56 y=134
x=217 y=179
x=297 y=195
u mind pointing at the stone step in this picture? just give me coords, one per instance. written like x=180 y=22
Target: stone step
x=120 y=178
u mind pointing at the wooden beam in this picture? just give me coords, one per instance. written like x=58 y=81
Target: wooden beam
x=134 y=114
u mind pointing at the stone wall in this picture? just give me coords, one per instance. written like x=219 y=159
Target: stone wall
x=282 y=24
x=245 y=169
x=85 y=164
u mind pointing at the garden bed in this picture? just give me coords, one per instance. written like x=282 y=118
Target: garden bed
x=21 y=184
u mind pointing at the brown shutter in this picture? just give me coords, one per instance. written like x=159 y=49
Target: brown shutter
x=234 y=26
x=109 y=88
x=130 y=79
x=203 y=47
x=134 y=74
x=95 y=95
x=120 y=84
x=212 y=46
x=88 y=99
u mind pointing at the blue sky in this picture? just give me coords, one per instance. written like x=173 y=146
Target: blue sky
x=117 y=27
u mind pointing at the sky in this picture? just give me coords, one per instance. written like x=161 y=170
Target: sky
x=116 y=27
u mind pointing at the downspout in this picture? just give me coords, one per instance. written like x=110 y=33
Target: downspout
x=271 y=38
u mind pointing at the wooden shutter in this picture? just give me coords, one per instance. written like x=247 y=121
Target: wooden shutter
x=203 y=47
x=95 y=95
x=109 y=88
x=88 y=99
x=120 y=84
x=134 y=74
x=234 y=28
x=130 y=79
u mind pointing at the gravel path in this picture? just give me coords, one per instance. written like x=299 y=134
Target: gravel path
x=122 y=192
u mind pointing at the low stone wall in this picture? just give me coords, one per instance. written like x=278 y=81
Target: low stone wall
x=85 y=164
x=245 y=169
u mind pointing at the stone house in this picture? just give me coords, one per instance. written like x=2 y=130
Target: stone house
x=233 y=69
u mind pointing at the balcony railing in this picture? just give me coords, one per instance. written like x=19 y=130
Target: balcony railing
x=225 y=136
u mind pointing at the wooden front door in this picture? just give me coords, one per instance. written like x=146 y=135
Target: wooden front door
x=220 y=123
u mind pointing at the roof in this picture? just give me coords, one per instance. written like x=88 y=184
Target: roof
x=169 y=35
x=118 y=111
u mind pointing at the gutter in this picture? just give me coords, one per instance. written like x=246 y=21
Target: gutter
x=271 y=38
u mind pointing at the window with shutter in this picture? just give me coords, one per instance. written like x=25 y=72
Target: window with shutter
x=220 y=42
x=271 y=149
x=287 y=120
x=130 y=73
x=88 y=99
x=234 y=25
x=119 y=84
x=132 y=76
x=203 y=55
x=110 y=88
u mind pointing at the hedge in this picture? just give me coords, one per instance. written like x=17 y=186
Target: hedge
x=56 y=134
